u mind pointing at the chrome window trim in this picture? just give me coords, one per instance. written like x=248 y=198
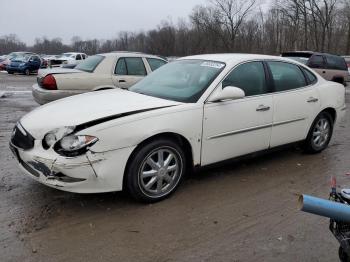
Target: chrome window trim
x=272 y=93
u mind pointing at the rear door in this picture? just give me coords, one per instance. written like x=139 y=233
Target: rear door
x=296 y=102
x=128 y=71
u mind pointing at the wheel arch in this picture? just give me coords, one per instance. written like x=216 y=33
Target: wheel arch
x=332 y=112
x=180 y=139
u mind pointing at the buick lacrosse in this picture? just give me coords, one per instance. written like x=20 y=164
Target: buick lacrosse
x=190 y=113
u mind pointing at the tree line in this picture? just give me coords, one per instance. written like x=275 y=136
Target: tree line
x=224 y=26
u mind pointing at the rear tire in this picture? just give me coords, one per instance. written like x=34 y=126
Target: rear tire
x=155 y=170
x=320 y=133
x=27 y=72
x=10 y=72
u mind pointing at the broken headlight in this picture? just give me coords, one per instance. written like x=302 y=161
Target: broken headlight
x=74 y=145
x=55 y=135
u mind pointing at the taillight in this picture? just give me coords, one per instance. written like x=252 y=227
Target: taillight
x=49 y=82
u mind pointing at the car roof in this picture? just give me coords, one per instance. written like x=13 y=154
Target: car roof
x=131 y=54
x=74 y=53
x=233 y=57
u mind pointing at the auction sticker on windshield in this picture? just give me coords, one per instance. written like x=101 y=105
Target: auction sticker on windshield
x=213 y=64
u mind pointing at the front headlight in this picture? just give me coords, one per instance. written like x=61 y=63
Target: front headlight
x=76 y=142
x=74 y=145
x=65 y=143
x=55 y=135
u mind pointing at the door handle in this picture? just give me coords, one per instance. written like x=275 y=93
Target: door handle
x=263 y=108
x=312 y=100
x=122 y=81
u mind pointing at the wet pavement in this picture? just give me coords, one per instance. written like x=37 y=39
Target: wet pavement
x=244 y=210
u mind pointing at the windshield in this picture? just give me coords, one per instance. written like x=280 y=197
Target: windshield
x=90 y=63
x=66 y=55
x=182 y=80
x=21 y=58
x=16 y=55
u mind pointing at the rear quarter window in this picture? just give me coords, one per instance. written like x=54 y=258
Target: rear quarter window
x=311 y=78
x=155 y=63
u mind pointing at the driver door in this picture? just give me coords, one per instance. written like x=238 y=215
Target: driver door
x=242 y=126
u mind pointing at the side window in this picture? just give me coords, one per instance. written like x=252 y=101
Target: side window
x=120 y=68
x=310 y=76
x=286 y=76
x=155 y=63
x=250 y=77
x=316 y=61
x=336 y=62
x=135 y=66
x=78 y=57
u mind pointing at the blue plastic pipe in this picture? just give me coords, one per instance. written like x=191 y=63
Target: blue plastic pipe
x=326 y=208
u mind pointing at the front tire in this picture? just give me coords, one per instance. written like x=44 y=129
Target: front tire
x=156 y=170
x=320 y=133
x=27 y=72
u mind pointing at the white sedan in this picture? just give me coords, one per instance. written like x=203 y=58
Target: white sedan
x=98 y=72
x=190 y=113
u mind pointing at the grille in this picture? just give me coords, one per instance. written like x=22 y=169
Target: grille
x=21 y=138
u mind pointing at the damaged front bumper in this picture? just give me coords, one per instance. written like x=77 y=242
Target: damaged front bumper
x=88 y=173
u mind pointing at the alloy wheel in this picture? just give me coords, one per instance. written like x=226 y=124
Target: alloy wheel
x=160 y=171
x=321 y=132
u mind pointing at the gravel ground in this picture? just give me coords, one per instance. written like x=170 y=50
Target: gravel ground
x=245 y=210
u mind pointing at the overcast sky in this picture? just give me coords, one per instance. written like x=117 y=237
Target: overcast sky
x=100 y=19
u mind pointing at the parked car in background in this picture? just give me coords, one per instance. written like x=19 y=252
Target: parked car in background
x=347 y=60
x=25 y=64
x=71 y=58
x=104 y=71
x=330 y=67
x=6 y=61
x=192 y=112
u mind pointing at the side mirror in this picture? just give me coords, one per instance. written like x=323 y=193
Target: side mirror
x=227 y=93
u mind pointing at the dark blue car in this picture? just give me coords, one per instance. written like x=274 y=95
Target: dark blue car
x=25 y=64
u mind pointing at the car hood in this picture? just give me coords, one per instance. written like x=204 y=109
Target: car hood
x=85 y=108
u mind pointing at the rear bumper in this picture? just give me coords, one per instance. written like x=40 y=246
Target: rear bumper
x=43 y=96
